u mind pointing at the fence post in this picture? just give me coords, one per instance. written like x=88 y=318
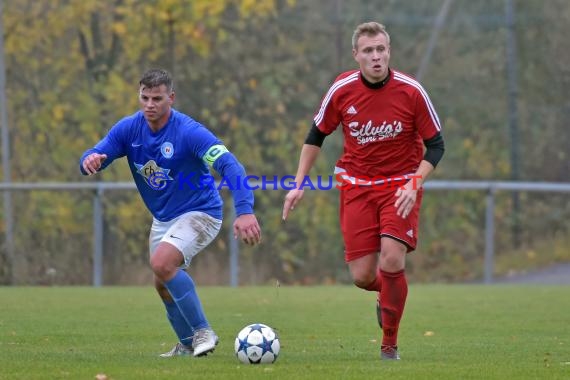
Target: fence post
x=490 y=235
x=98 y=237
x=6 y=169
x=234 y=251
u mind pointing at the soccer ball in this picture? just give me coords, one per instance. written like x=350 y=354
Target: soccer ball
x=257 y=344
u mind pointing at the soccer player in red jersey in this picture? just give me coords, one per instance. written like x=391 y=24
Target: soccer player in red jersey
x=392 y=142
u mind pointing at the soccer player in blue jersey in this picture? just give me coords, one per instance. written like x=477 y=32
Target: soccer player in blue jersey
x=169 y=154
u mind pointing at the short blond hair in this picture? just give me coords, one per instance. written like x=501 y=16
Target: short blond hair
x=369 y=29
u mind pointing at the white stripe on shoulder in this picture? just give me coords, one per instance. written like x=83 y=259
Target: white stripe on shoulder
x=412 y=82
x=335 y=86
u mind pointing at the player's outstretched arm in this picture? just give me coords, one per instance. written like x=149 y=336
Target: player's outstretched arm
x=246 y=227
x=309 y=154
x=406 y=195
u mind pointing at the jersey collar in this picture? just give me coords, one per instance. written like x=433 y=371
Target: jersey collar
x=376 y=85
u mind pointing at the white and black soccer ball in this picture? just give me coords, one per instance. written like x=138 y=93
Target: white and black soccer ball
x=257 y=344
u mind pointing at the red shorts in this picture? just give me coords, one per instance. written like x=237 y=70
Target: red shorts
x=367 y=214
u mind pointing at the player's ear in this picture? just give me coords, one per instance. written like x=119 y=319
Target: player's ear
x=172 y=96
x=354 y=52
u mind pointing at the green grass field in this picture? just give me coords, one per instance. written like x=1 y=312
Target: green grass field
x=329 y=332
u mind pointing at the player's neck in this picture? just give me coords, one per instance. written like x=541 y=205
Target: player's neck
x=157 y=125
x=376 y=84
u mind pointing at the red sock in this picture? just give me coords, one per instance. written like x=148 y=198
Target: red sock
x=394 y=293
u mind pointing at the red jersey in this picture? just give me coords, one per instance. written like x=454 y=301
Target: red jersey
x=383 y=127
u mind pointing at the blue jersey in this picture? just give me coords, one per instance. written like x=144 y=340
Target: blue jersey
x=169 y=166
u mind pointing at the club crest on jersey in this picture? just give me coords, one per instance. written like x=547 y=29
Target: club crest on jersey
x=167 y=149
x=155 y=176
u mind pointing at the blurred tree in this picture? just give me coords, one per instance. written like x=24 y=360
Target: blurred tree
x=254 y=72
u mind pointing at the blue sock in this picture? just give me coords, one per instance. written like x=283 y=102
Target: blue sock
x=183 y=291
x=182 y=329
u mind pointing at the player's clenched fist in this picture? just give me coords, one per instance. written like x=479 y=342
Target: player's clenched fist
x=93 y=162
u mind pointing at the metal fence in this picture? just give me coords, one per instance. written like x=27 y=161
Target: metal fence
x=100 y=188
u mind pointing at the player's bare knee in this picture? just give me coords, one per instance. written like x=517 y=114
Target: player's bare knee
x=360 y=284
x=391 y=262
x=162 y=269
x=364 y=281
